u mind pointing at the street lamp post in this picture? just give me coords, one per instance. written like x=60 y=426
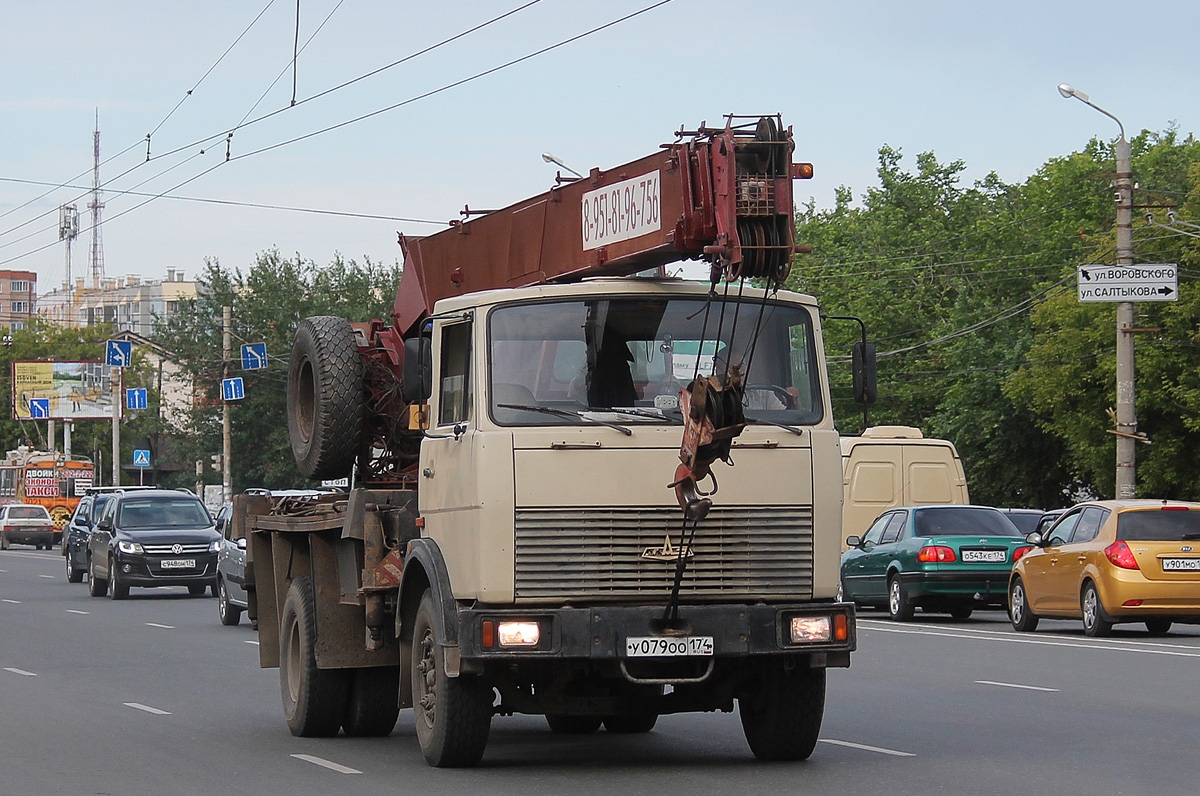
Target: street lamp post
x=1126 y=416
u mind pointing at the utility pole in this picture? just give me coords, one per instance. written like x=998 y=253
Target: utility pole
x=115 y=383
x=1126 y=477
x=227 y=347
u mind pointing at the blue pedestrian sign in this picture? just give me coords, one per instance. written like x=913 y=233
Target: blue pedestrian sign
x=254 y=356
x=136 y=399
x=232 y=389
x=118 y=353
x=39 y=408
x=141 y=458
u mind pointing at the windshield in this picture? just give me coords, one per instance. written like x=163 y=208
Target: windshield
x=628 y=358
x=955 y=521
x=162 y=513
x=1158 y=525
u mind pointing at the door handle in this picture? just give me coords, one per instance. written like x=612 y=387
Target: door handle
x=1082 y=559
x=1053 y=561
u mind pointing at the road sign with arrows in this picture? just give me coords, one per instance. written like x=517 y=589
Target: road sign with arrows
x=1140 y=282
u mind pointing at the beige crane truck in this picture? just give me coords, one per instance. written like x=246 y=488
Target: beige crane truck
x=527 y=533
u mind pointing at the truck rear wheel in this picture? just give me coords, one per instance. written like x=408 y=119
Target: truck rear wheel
x=374 y=702
x=453 y=715
x=782 y=712
x=325 y=397
x=314 y=700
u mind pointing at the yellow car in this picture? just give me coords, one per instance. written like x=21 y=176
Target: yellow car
x=1110 y=561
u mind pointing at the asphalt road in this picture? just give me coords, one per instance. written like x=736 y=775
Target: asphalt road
x=154 y=696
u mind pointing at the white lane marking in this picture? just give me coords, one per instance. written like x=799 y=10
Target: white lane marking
x=156 y=624
x=147 y=708
x=863 y=746
x=329 y=764
x=255 y=643
x=51 y=577
x=76 y=611
x=1015 y=685
x=1017 y=640
x=21 y=672
x=883 y=625
x=14 y=602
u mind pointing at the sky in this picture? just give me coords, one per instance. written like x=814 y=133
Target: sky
x=968 y=81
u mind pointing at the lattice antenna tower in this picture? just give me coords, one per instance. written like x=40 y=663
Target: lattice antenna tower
x=97 y=207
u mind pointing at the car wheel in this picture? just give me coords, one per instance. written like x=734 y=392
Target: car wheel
x=1023 y=619
x=1096 y=622
x=962 y=611
x=1158 y=627
x=781 y=713
x=230 y=614
x=453 y=715
x=119 y=589
x=569 y=724
x=899 y=607
x=314 y=700
x=73 y=575
x=4 y=543
x=841 y=592
x=97 y=587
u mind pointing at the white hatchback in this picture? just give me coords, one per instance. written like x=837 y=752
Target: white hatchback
x=26 y=523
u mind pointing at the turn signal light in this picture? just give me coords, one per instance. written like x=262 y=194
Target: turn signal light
x=1020 y=551
x=1121 y=556
x=936 y=554
x=802 y=171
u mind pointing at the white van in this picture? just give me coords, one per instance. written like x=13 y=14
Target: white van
x=890 y=466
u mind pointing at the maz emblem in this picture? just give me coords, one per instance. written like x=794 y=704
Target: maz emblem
x=1187 y=548
x=668 y=552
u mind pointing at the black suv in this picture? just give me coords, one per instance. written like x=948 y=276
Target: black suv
x=156 y=537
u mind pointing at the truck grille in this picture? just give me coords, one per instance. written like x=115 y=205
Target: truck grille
x=596 y=553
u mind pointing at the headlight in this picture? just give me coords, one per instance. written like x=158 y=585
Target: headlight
x=130 y=547
x=810 y=629
x=215 y=547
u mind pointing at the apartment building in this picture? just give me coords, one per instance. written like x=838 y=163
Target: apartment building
x=18 y=298
x=130 y=303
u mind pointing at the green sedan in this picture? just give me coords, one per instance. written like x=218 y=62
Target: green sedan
x=941 y=558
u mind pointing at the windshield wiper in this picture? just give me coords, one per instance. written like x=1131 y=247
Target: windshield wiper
x=784 y=426
x=676 y=418
x=550 y=410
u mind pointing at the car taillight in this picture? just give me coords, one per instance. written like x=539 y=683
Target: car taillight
x=1020 y=551
x=1121 y=556
x=936 y=553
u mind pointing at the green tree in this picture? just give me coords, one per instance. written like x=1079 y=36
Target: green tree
x=268 y=300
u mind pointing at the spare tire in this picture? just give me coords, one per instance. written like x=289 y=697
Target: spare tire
x=325 y=397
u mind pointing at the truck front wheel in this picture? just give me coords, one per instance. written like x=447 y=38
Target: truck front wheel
x=453 y=715
x=314 y=700
x=782 y=712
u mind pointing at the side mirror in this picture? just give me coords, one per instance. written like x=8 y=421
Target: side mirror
x=241 y=543
x=853 y=541
x=1034 y=538
x=104 y=525
x=866 y=378
x=417 y=370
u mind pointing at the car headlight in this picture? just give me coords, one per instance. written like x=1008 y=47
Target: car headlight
x=215 y=547
x=130 y=547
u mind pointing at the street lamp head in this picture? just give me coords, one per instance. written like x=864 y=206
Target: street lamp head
x=1068 y=91
x=546 y=156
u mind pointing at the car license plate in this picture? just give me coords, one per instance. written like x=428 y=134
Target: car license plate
x=1181 y=564
x=991 y=556
x=177 y=563
x=659 y=647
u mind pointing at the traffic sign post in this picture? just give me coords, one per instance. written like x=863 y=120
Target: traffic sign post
x=254 y=356
x=232 y=389
x=1140 y=282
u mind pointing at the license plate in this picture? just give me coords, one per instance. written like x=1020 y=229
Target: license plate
x=990 y=556
x=1181 y=564
x=177 y=563
x=659 y=647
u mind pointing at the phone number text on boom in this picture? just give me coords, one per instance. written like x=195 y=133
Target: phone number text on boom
x=623 y=210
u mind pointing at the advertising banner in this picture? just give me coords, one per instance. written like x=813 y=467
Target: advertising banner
x=43 y=390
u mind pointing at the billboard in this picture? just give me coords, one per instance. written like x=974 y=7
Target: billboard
x=62 y=390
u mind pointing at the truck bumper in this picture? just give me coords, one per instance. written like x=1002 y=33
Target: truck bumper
x=600 y=633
